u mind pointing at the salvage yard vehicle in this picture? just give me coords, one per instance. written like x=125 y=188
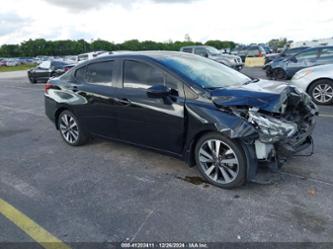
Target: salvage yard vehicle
x=232 y=61
x=184 y=105
x=286 y=68
x=249 y=51
x=286 y=53
x=89 y=56
x=317 y=82
x=48 y=69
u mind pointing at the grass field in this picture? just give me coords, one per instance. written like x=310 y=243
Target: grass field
x=16 y=68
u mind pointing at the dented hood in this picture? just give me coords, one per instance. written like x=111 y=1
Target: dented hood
x=265 y=95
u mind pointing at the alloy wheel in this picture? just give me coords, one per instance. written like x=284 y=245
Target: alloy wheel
x=219 y=161
x=69 y=128
x=323 y=93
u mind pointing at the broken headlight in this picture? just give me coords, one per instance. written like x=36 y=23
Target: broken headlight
x=270 y=129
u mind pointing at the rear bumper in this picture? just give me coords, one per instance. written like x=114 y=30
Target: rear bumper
x=51 y=108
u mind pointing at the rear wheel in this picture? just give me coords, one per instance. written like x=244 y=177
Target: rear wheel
x=221 y=161
x=279 y=74
x=71 y=130
x=322 y=92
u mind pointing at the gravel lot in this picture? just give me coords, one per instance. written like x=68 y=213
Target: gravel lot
x=108 y=191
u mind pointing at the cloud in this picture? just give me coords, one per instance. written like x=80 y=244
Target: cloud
x=80 y=5
x=10 y=23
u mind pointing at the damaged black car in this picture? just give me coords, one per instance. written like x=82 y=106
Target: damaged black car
x=184 y=105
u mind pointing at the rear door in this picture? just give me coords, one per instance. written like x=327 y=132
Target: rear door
x=153 y=122
x=95 y=83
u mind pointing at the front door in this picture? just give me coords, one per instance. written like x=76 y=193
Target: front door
x=153 y=122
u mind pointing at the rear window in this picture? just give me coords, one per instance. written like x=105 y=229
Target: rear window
x=100 y=73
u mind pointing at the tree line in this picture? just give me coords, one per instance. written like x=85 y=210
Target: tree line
x=32 y=48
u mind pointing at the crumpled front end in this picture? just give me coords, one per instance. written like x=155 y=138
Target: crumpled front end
x=288 y=132
x=282 y=115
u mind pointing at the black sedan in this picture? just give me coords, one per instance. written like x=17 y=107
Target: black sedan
x=184 y=105
x=48 y=69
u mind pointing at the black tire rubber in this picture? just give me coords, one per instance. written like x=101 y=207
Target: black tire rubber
x=241 y=177
x=32 y=80
x=313 y=86
x=83 y=135
x=279 y=74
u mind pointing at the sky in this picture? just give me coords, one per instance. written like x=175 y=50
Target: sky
x=242 y=21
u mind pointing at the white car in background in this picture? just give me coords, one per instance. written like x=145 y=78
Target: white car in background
x=317 y=82
x=89 y=56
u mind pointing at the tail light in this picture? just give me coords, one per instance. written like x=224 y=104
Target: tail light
x=260 y=54
x=47 y=86
x=66 y=69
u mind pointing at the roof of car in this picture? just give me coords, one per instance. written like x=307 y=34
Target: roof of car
x=157 y=55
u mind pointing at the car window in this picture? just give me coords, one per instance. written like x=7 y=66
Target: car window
x=311 y=54
x=141 y=75
x=200 y=51
x=100 y=73
x=252 y=51
x=80 y=74
x=187 y=50
x=204 y=72
x=45 y=65
x=326 y=53
x=58 y=64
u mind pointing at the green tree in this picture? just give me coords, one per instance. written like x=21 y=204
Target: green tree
x=221 y=44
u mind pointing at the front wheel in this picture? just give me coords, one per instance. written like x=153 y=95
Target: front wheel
x=322 y=92
x=221 y=161
x=70 y=129
x=279 y=74
x=32 y=80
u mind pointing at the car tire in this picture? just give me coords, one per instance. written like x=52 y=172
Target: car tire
x=71 y=130
x=226 y=169
x=279 y=74
x=321 y=92
x=32 y=80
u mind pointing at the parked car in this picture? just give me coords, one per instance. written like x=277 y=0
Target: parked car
x=48 y=69
x=216 y=55
x=317 y=82
x=89 y=56
x=288 y=52
x=184 y=105
x=12 y=62
x=286 y=68
x=249 y=51
x=3 y=63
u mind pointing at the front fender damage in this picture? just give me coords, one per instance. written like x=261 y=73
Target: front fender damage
x=271 y=126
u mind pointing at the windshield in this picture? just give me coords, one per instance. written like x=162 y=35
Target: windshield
x=213 y=51
x=204 y=72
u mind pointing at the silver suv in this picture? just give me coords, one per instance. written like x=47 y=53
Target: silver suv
x=233 y=61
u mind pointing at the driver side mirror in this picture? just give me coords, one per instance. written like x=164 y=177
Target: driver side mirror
x=158 y=91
